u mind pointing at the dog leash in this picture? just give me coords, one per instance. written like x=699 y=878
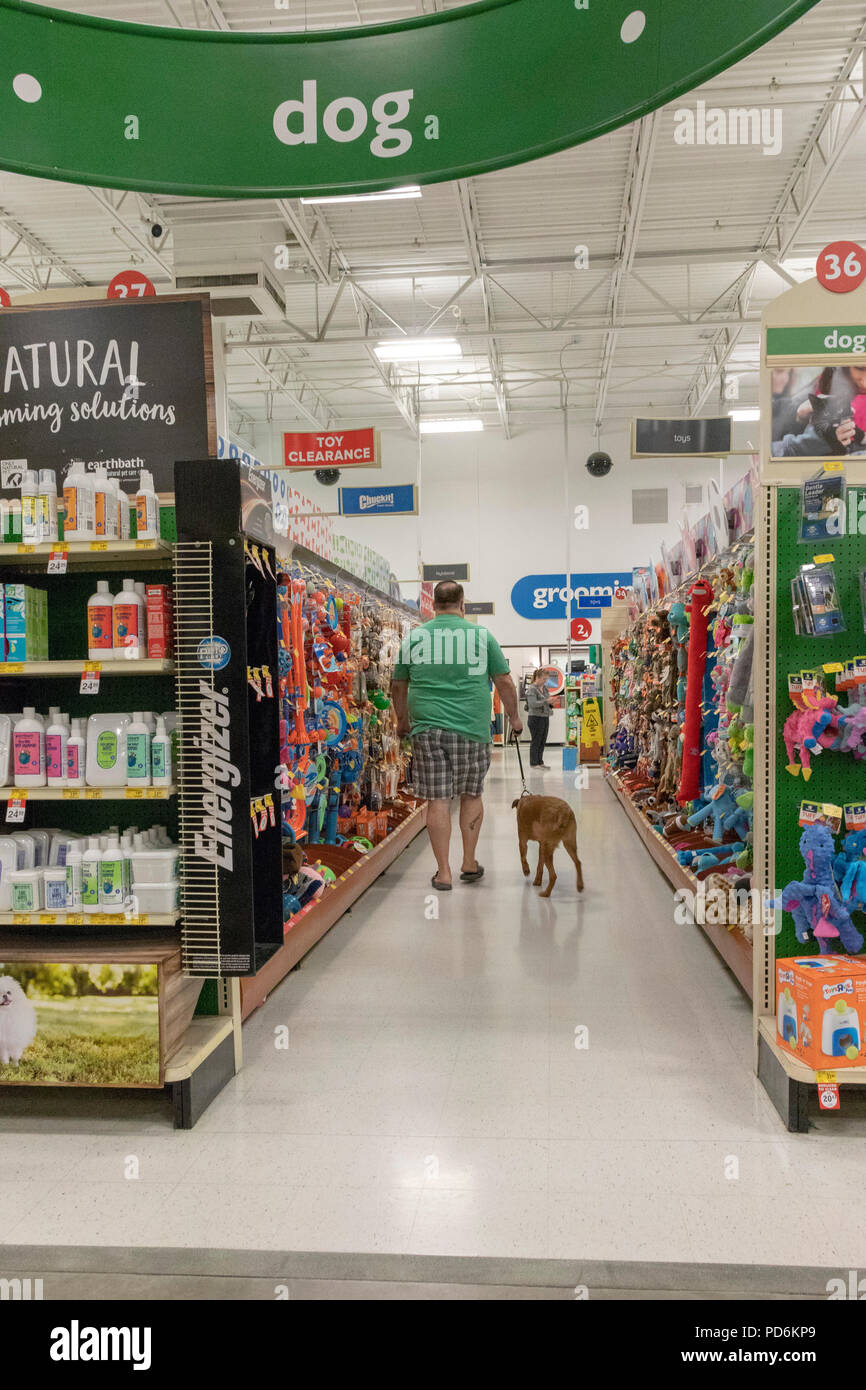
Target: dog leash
x=516 y=741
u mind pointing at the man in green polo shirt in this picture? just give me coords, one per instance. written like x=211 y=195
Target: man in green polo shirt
x=441 y=694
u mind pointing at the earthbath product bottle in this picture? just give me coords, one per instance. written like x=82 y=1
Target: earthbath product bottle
x=102 y=502
x=147 y=508
x=30 y=507
x=54 y=888
x=100 y=623
x=90 y=876
x=73 y=880
x=75 y=756
x=56 y=743
x=138 y=752
x=111 y=876
x=47 y=504
x=160 y=755
x=128 y=624
x=78 y=502
x=28 y=749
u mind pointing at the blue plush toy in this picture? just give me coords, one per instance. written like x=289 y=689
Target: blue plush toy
x=815 y=905
x=849 y=866
x=721 y=804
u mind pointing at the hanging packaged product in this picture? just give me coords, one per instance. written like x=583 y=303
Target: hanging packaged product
x=128 y=623
x=815 y=600
x=147 y=509
x=78 y=503
x=822 y=506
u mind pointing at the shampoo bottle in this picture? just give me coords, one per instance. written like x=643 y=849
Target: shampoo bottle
x=128 y=623
x=75 y=756
x=56 y=743
x=28 y=744
x=47 y=504
x=160 y=755
x=78 y=524
x=100 y=623
x=90 y=876
x=73 y=880
x=102 y=501
x=147 y=508
x=137 y=752
x=30 y=507
x=111 y=876
x=124 y=514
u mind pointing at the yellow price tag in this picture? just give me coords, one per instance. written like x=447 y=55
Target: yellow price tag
x=145 y=545
x=71 y=793
x=134 y=793
x=47 y=919
x=112 y=919
x=26 y=549
x=99 y=545
x=75 y=919
x=832 y=667
x=21 y=918
x=826 y=1078
x=12 y=668
x=155 y=793
x=93 y=794
x=823 y=559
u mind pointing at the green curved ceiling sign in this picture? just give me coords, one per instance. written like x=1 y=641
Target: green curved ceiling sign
x=353 y=110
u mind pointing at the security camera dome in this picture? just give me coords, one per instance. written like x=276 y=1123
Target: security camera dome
x=327 y=476
x=599 y=464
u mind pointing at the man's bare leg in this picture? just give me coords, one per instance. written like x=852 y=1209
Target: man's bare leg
x=439 y=830
x=471 y=816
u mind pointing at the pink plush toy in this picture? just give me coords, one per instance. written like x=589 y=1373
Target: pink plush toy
x=802 y=731
x=858 y=412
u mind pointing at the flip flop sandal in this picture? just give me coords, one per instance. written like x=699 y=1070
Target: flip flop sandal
x=441 y=887
x=473 y=876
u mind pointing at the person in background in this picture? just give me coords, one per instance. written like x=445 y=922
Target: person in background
x=441 y=694
x=538 y=706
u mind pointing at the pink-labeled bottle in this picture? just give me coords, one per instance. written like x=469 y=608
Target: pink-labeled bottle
x=56 y=736
x=28 y=745
x=75 y=751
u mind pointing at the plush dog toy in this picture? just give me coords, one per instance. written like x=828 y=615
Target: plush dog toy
x=814 y=903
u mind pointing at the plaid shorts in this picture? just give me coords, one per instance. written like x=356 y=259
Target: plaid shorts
x=445 y=764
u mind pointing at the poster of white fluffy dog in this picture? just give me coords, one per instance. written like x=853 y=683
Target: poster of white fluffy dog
x=17 y=1021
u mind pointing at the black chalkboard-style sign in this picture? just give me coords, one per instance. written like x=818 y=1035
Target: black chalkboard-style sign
x=698 y=438
x=125 y=384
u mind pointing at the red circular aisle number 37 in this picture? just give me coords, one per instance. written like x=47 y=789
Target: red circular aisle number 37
x=841 y=267
x=129 y=284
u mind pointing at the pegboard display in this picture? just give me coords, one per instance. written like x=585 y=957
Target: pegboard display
x=837 y=777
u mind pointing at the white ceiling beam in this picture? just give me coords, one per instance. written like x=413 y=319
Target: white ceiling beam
x=471 y=229
x=633 y=202
x=39 y=249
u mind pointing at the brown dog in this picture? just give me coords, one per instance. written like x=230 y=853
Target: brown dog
x=550 y=821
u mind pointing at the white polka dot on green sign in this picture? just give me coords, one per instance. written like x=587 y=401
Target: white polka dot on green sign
x=26 y=88
x=633 y=26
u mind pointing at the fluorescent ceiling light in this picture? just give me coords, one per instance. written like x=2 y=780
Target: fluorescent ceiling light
x=747 y=413
x=469 y=425
x=388 y=195
x=418 y=349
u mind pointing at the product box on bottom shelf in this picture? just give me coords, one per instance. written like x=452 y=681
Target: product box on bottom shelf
x=821 y=1010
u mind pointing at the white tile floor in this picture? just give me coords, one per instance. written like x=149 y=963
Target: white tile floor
x=432 y=1100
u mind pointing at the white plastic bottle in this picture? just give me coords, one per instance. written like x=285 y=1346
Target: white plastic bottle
x=30 y=507
x=138 y=752
x=100 y=623
x=54 y=889
x=112 y=510
x=160 y=755
x=127 y=845
x=147 y=508
x=73 y=880
x=101 y=504
x=111 y=876
x=124 y=514
x=128 y=623
x=28 y=745
x=78 y=502
x=76 y=750
x=56 y=743
x=48 y=504
x=90 y=876
x=141 y=590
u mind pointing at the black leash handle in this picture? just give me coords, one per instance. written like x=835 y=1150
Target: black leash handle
x=516 y=741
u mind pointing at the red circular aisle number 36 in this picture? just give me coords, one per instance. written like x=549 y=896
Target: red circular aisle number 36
x=841 y=267
x=129 y=284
